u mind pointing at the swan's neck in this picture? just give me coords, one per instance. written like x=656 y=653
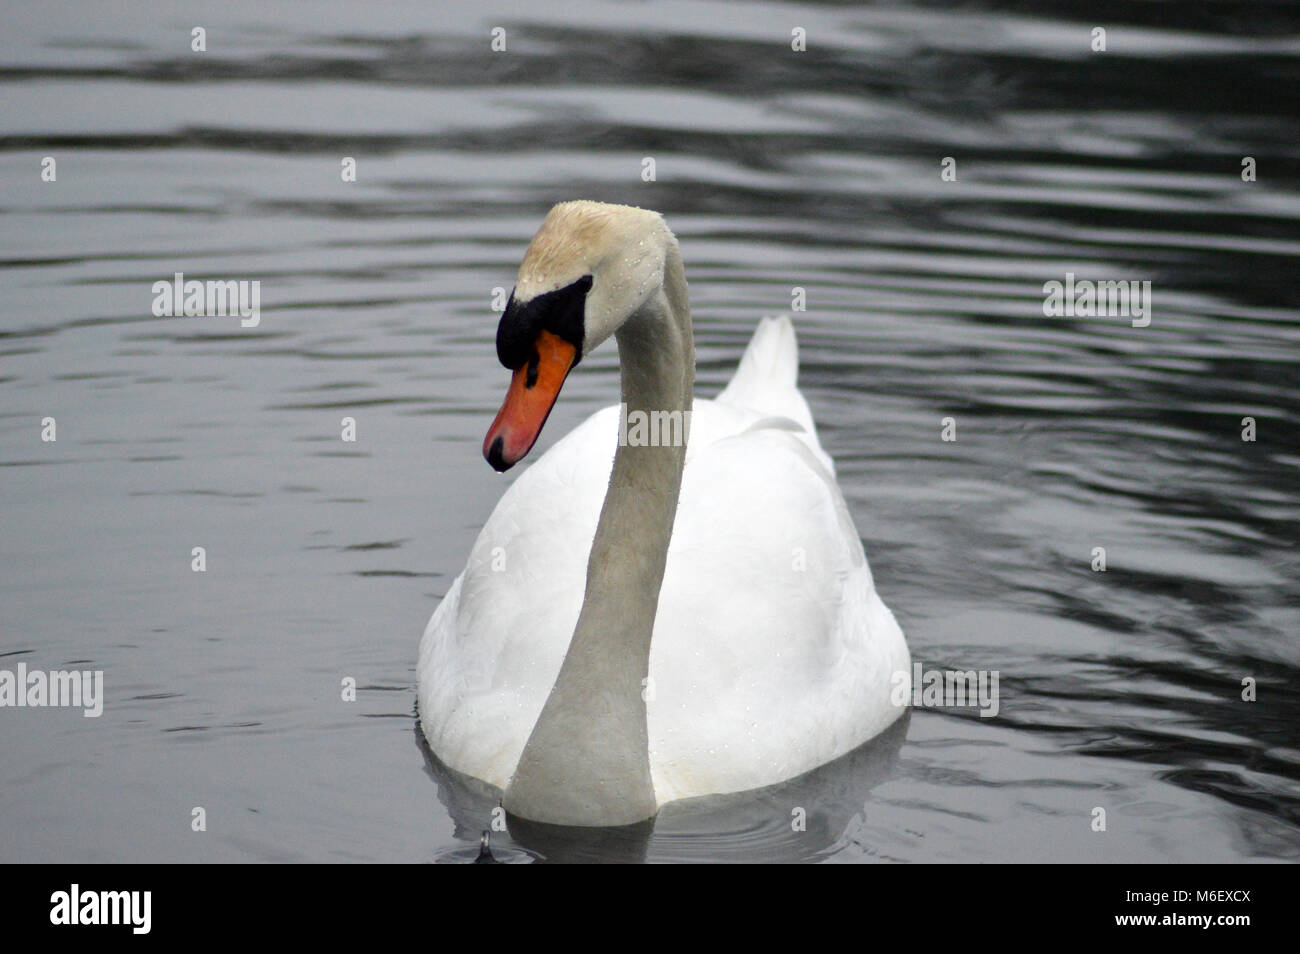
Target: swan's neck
x=587 y=761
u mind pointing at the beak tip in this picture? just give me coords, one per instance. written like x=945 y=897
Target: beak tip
x=495 y=455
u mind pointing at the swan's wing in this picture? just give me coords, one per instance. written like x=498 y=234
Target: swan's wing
x=494 y=646
x=772 y=652
x=766 y=380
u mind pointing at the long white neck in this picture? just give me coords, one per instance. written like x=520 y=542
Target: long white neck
x=587 y=761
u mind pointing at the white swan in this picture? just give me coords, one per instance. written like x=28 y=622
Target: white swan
x=598 y=661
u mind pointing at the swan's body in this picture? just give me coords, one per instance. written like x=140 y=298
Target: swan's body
x=768 y=651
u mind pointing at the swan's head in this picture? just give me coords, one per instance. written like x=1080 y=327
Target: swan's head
x=589 y=268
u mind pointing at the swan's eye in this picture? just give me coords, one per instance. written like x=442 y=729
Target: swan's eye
x=560 y=312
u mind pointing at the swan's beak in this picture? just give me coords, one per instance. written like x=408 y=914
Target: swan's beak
x=533 y=390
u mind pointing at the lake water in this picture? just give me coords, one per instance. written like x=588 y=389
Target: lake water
x=778 y=169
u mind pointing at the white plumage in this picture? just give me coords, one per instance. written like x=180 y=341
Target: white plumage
x=771 y=653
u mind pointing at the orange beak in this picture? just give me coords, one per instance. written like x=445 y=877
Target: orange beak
x=533 y=390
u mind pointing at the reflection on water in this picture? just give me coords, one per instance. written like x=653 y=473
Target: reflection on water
x=796 y=820
x=817 y=170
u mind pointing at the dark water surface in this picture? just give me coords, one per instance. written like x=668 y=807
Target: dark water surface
x=821 y=170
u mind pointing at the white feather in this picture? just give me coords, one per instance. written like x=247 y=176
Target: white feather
x=772 y=652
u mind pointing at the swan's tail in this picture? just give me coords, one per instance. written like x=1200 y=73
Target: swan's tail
x=765 y=380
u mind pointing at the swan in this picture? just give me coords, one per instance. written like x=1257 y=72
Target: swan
x=673 y=601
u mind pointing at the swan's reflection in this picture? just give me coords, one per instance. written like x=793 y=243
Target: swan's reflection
x=793 y=821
